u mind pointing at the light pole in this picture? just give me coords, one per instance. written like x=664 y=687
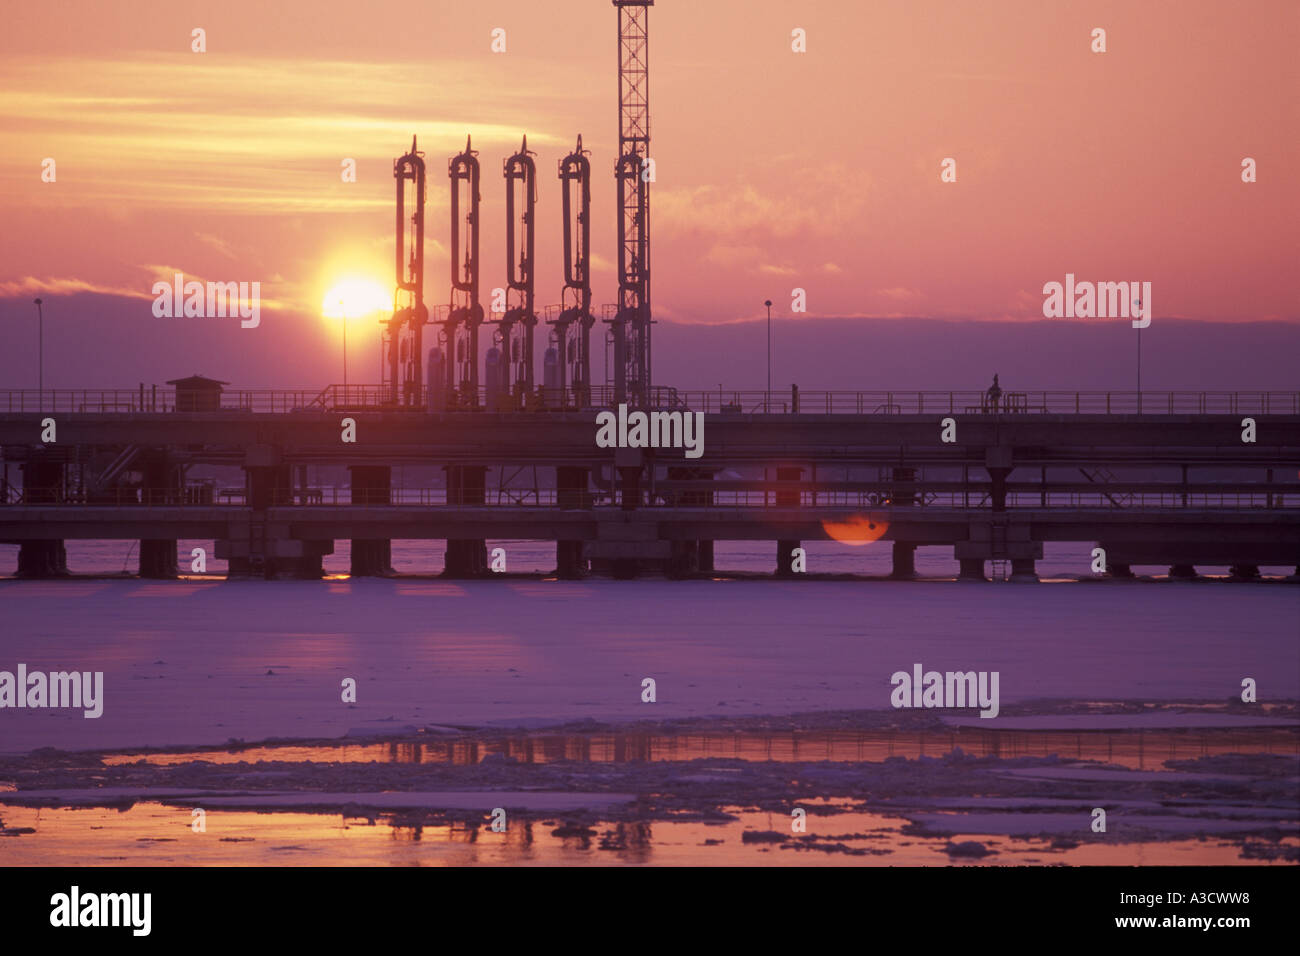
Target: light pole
x=40 y=352
x=344 y=313
x=1139 y=308
x=768 y=393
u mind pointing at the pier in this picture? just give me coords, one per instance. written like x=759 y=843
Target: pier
x=1156 y=479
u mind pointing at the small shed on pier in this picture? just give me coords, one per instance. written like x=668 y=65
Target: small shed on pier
x=198 y=394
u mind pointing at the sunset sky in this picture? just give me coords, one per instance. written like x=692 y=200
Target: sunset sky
x=774 y=170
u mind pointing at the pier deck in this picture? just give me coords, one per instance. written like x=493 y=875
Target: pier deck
x=1173 y=484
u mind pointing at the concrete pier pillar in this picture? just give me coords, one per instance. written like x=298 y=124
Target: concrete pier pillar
x=158 y=558
x=1120 y=571
x=237 y=568
x=42 y=559
x=372 y=485
x=572 y=494
x=570 y=563
x=703 y=549
x=42 y=484
x=705 y=556
x=629 y=463
x=1244 y=572
x=904 y=561
x=268 y=486
x=787 y=499
x=972 y=569
x=901 y=494
x=161 y=485
x=254 y=547
x=904 y=568
x=311 y=565
x=466 y=485
x=702 y=552
x=1022 y=571
x=785 y=558
x=371 y=557
x=998 y=488
x=999 y=460
x=629 y=487
x=685 y=559
x=623 y=569
x=1183 y=572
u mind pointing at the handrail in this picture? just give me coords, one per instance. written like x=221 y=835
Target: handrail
x=713 y=401
x=695 y=494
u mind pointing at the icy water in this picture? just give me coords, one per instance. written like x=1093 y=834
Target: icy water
x=869 y=797
x=1134 y=749
x=150 y=834
x=1060 y=560
x=525 y=693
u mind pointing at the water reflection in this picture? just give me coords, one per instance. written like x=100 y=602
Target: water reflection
x=151 y=834
x=1135 y=749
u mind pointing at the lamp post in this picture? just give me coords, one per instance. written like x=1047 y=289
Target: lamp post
x=344 y=314
x=40 y=352
x=1139 y=308
x=768 y=393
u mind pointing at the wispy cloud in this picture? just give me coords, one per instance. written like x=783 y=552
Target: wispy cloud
x=181 y=131
x=64 y=285
x=900 y=294
x=69 y=285
x=217 y=243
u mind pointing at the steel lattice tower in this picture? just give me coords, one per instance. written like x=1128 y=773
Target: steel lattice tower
x=632 y=322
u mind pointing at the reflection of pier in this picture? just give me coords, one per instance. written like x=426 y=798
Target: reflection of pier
x=1134 y=748
x=1175 y=485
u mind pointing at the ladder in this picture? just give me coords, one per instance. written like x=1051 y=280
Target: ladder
x=1103 y=475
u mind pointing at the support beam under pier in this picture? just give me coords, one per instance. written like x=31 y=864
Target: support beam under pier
x=571 y=494
x=466 y=485
x=372 y=485
x=161 y=484
x=691 y=557
x=787 y=499
x=42 y=484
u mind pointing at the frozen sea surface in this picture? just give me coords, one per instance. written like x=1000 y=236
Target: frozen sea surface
x=192 y=663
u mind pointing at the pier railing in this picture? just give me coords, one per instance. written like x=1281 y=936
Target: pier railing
x=940 y=495
x=710 y=401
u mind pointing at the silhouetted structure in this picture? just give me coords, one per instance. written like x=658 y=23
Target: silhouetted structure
x=198 y=394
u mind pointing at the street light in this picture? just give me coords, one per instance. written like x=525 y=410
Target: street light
x=40 y=361
x=767 y=395
x=1139 y=308
x=343 y=312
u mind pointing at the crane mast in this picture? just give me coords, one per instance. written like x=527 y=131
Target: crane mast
x=404 y=335
x=573 y=327
x=465 y=312
x=515 y=348
x=631 y=325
